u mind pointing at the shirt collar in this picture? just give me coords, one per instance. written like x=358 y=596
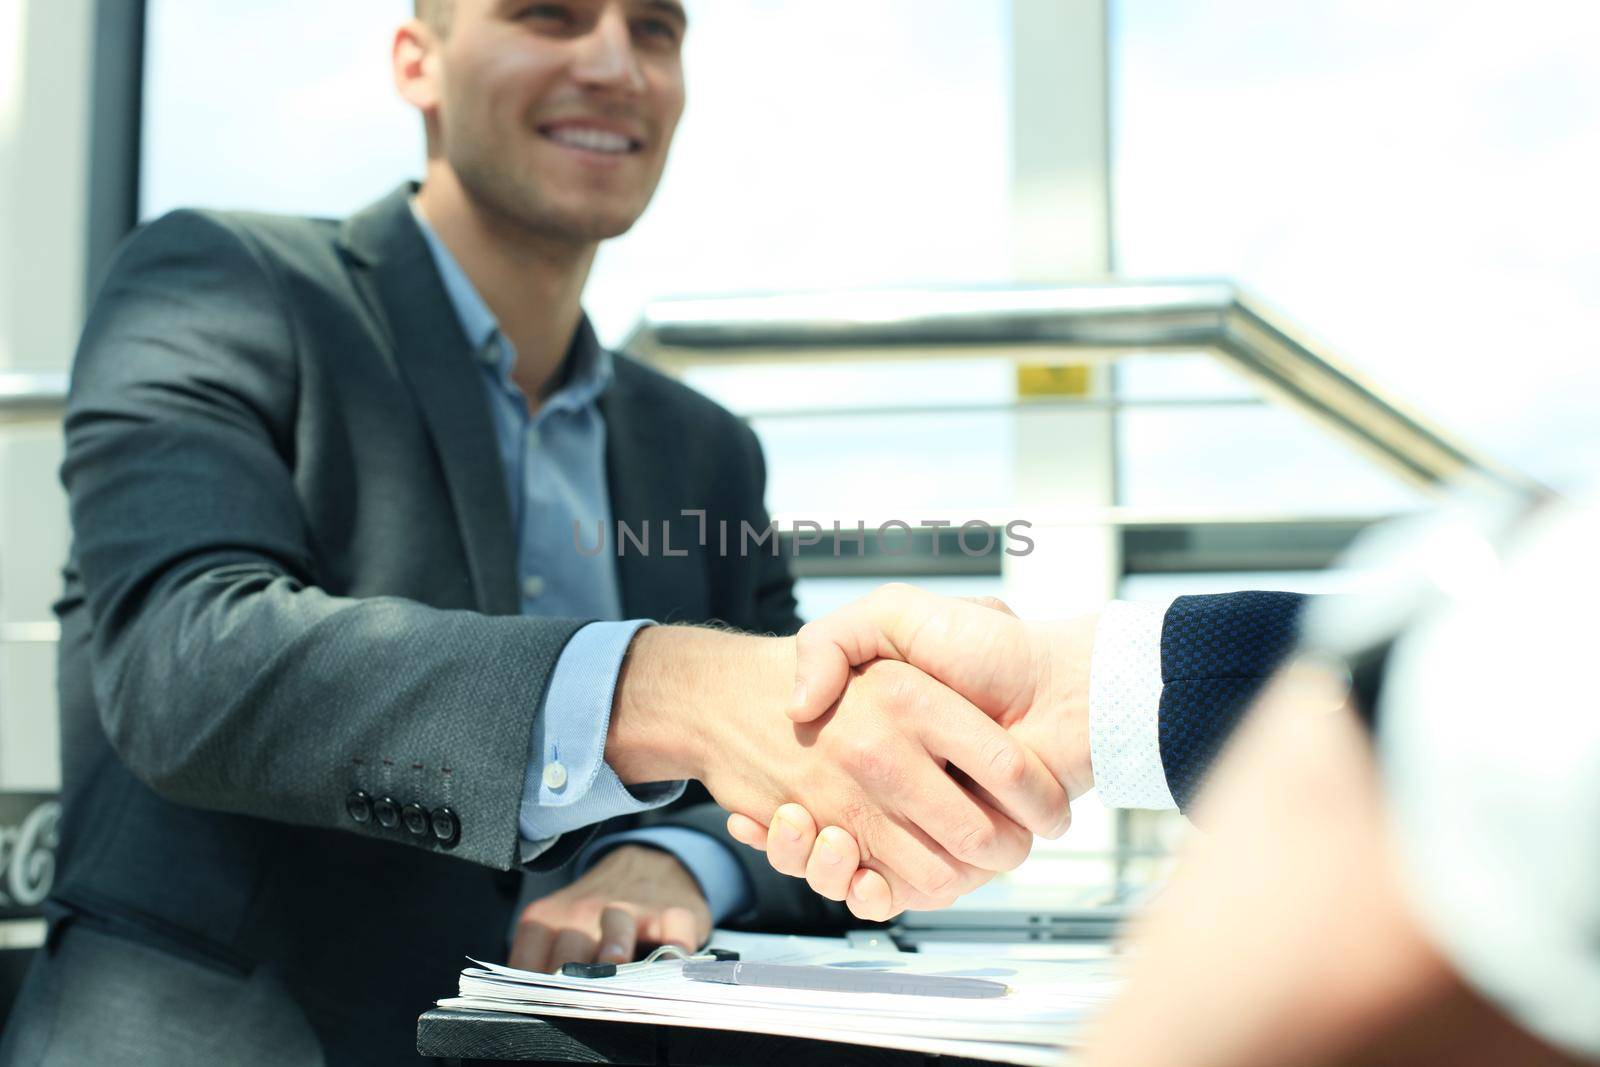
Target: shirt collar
x=587 y=370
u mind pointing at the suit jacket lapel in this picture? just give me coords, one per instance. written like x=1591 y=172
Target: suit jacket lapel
x=628 y=453
x=645 y=489
x=396 y=272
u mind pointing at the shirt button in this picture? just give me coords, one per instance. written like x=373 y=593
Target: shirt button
x=532 y=586
x=489 y=354
x=555 y=776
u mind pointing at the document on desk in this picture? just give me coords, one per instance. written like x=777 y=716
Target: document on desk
x=1043 y=1008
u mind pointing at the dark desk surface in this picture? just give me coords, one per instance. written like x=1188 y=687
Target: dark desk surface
x=479 y=1036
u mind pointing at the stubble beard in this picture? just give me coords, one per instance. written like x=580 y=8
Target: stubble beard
x=513 y=194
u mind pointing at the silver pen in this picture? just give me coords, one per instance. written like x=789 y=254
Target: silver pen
x=841 y=979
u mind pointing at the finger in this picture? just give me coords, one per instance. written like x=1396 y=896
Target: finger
x=619 y=934
x=833 y=863
x=979 y=649
x=916 y=867
x=825 y=650
x=746 y=831
x=571 y=946
x=898 y=895
x=969 y=830
x=531 y=946
x=789 y=840
x=859 y=632
x=870 y=897
x=1025 y=790
x=679 y=927
x=983 y=796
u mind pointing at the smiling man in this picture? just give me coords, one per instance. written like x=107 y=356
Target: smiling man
x=333 y=667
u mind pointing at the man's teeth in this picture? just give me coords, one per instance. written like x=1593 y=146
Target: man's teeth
x=593 y=140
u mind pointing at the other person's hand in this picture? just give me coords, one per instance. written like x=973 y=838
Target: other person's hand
x=632 y=900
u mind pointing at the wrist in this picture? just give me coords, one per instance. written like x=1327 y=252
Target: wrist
x=633 y=858
x=682 y=689
x=1064 y=649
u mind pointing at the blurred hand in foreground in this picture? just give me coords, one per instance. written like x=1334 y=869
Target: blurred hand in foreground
x=1286 y=935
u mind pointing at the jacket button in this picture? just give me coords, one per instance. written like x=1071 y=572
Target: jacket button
x=415 y=816
x=446 y=827
x=387 y=811
x=358 y=806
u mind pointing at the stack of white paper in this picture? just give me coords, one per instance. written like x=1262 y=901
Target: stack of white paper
x=1045 y=1007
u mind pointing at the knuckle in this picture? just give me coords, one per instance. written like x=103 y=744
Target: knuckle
x=974 y=840
x=875 y=764
x=901 y=690
x=892 y=590
x=539 y=911
x=860 y=819
x=941 y=882
x=1005 y=761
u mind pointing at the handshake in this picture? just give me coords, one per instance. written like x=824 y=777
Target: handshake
x=929 y=738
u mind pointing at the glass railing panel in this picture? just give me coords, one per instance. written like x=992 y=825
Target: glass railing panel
x=1247 y=457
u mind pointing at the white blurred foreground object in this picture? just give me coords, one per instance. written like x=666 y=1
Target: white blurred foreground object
x=1489 y=739
x=1046 y=1005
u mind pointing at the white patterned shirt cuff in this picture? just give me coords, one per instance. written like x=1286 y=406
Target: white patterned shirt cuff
x=1125 y=706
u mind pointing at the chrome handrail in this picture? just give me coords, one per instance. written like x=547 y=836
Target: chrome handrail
x=31 y=394
x=1096 y=319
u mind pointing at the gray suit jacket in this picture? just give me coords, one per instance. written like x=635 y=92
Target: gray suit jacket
x=293 y=579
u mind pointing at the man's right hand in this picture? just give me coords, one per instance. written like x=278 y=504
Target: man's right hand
x=698 y=703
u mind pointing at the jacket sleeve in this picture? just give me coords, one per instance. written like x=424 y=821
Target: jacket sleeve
x=225 y=678
x=1216 y=653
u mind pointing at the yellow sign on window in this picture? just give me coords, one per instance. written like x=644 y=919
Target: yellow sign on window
x=1052 y=379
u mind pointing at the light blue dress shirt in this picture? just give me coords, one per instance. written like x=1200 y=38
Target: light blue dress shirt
x=554 y=463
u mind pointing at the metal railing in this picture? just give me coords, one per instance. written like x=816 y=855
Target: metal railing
x=27 y=396
x=1093 y=320
x=1094 y=324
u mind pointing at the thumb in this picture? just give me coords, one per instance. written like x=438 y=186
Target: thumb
x=824 y=652
x=859 y=632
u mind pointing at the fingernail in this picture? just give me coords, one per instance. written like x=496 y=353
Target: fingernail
x=1063 y=826
x=798 y=700
x=614 y=954
x=789 y=831
x=827 y=854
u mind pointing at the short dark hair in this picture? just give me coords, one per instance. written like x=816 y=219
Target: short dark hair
x=436 y=13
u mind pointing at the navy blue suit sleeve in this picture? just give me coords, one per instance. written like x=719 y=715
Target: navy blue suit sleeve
x=1216 y=651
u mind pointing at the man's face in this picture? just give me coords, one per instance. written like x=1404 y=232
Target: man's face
x=559 y=114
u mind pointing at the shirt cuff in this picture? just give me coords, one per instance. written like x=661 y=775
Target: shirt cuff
x=569 y=785
x=723 y=881
x=1125 y=706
